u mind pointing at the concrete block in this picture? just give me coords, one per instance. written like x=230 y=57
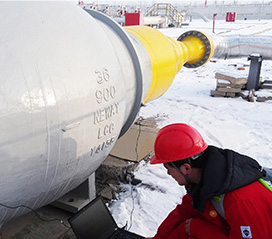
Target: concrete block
x=71 y=202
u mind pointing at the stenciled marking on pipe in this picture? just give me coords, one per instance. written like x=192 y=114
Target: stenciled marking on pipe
x=105 y=130
x=105 y=144
x=108 y=92
x=102 y=76
x=106 y=113
x=103 y=117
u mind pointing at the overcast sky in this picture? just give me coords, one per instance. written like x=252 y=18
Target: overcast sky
x=175 y=2
x=185 y=2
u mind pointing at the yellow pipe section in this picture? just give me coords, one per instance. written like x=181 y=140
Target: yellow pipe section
x=167 y=56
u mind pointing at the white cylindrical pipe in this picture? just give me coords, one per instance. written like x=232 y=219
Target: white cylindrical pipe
x=71 y=83
x=154 y=20
x=234 y=46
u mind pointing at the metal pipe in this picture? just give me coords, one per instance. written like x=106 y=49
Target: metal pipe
x=168 y=56
x=198 y=42
x=155 y=20
x=234 y=46
x=72 y=82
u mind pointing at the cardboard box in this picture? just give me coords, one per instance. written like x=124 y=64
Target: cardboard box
x=135 y=144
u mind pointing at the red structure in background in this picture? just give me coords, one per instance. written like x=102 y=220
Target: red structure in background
x=230 y=16
x=136 y=18
x=214 y=15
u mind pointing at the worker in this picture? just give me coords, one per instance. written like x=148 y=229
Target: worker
x=224 y=199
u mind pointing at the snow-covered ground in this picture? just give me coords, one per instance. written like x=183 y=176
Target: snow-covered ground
x=232 y=123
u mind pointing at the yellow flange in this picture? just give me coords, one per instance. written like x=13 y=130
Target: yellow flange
x=200 y=45
x=167 y=56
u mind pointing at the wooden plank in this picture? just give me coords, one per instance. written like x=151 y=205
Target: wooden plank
x=231 y=79
x=229 y=94
x=222 y=85
x=217 y=93
x=262 y=99
x=231 y=90
x=266 y=86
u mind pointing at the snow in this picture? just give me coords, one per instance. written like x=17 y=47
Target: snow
x=233 y=123
x=234 y=71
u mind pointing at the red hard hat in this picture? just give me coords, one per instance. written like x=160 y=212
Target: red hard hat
x=177 y=141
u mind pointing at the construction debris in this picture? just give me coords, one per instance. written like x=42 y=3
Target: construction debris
x=228 y=86
x=263 y=98
x=258 y=96
x=267 y=84
x=233 y=82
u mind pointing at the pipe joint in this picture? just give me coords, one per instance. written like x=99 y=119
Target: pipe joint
x=204 y=49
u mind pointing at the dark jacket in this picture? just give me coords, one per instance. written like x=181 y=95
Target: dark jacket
x=224 y=171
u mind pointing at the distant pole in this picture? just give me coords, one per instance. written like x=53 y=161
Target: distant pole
x=214 y=15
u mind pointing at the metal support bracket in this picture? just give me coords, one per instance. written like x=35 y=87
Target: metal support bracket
x=253 y=81
x=76 y=199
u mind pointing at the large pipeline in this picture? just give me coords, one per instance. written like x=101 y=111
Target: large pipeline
x=235 y=46
x=72 y=82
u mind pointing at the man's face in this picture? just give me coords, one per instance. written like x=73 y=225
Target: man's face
x=175 y=174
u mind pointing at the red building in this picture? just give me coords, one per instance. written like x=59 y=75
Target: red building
x=230 y=16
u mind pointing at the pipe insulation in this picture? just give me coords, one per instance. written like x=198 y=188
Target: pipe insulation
x=236 y=46
x=72 y=82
